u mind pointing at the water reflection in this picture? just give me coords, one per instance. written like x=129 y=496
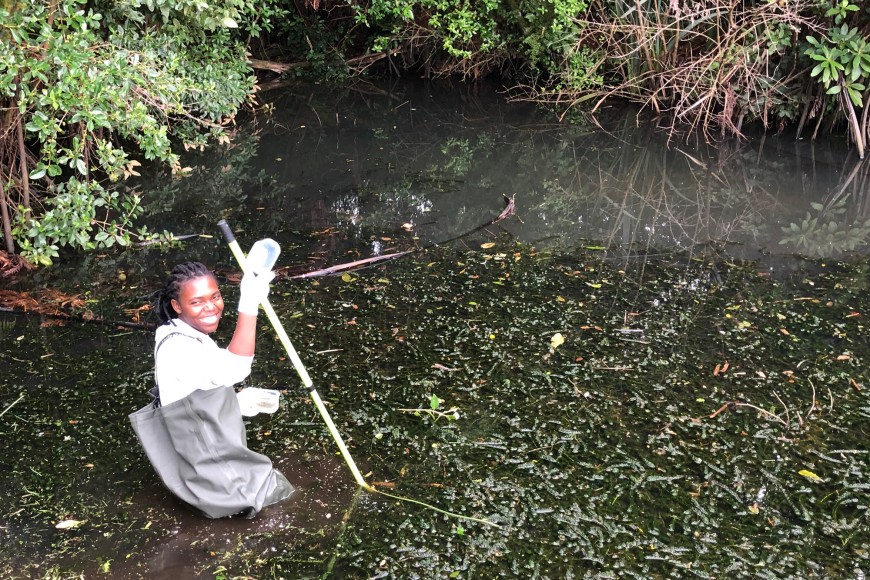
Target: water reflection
x=353 y=166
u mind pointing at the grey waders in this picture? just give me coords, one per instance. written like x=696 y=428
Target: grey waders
x=198 y=447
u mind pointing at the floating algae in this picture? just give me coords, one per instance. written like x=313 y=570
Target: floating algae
x=638 y=447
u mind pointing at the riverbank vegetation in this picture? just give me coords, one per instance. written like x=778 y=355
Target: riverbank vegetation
x=90 y=91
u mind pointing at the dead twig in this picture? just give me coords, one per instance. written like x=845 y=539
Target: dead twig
x=813 y=403
x=12 y=404
x=788 y=419
x=350 y=265
x=731 y=405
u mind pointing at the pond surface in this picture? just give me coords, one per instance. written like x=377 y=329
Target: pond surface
x=630 y=377
x=361 y=163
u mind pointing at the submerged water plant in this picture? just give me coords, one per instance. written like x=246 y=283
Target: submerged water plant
x=700 y=417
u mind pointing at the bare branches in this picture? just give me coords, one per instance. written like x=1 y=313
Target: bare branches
x=699 y=66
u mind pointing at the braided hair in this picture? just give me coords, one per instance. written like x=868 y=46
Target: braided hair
x=172 y=288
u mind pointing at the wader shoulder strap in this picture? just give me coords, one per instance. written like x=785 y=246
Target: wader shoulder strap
x=155 y=390
x=170 y=335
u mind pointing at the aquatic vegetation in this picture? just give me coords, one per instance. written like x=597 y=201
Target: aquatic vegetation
x=619 y=416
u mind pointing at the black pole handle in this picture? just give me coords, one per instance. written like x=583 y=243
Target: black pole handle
x=227 y=232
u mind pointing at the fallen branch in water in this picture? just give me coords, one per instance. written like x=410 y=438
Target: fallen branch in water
x=451 y=414
x=508 y=211
x=350 y=265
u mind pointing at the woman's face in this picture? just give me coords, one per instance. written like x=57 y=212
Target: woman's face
x=200 y=304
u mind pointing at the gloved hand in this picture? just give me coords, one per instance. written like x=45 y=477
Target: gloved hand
x=254 y=291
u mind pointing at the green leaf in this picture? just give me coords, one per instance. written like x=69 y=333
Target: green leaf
x=80 y=165
x=434 y=402
x=834 y=90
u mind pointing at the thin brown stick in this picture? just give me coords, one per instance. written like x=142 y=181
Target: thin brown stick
x=350 y=265
x=732 y=404
x=6 y=218
x=25 y=175
x=784 y=406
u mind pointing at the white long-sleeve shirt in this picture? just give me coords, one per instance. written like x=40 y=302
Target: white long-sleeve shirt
x=184 y=364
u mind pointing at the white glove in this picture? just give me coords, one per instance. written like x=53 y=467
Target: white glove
x=254 y=291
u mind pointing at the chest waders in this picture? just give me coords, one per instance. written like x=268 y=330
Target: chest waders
x=198 y=447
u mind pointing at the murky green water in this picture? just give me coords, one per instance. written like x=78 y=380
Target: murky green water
x=707 y=414
x=609 y=455
x=359 y=163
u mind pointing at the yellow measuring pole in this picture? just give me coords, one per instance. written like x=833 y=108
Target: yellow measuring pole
x=297 y=362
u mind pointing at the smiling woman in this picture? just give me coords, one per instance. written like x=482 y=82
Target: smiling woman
x=190 y=306
x=200 y=304
x=193 y=433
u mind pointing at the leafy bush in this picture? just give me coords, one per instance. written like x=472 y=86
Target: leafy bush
x=88 y=87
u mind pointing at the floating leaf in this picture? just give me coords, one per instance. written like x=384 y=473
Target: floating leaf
x=346 y=277
x=809 y=475
x=487 y=245
x=69 y=524
x=557 y=340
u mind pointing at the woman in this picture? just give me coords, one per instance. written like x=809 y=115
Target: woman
x=193 y=433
